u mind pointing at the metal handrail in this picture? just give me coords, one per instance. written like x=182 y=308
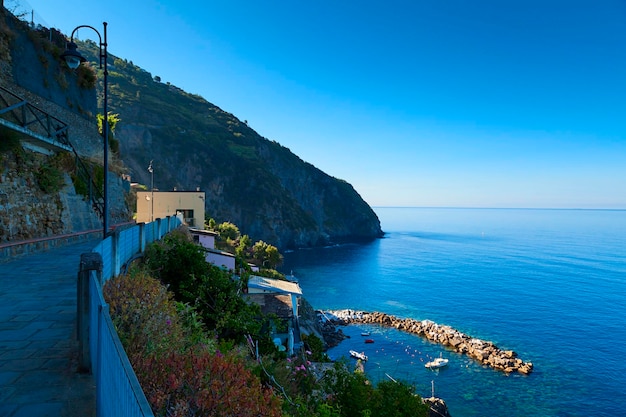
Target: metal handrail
x=19 y=111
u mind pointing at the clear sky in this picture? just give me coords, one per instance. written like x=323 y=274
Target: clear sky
x=481 y=103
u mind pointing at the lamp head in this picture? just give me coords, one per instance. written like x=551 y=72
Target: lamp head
x=72 y=57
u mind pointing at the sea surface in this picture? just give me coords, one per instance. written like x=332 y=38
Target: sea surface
x=548 y=284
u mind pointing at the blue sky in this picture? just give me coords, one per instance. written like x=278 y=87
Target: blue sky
x=483 y=103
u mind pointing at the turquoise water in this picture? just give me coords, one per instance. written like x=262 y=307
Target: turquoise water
x=548 y=284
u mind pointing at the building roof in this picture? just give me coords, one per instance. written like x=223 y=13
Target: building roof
x=274 y=285
x=202 y=232
x=218 y=252
x=273 y=303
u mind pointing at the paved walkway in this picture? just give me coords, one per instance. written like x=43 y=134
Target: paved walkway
x=38 y=347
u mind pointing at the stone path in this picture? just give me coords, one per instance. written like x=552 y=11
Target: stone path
x=38 y=347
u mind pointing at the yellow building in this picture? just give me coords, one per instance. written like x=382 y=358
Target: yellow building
x=160 y=204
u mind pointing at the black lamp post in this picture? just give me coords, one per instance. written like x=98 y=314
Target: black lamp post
x=73 y=58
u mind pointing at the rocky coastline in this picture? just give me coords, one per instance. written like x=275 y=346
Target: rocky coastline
x=485 y=352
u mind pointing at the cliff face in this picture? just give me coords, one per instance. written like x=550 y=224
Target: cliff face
x=30 y=68
x=261 y=186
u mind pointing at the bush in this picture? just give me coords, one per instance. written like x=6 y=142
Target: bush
x=203 y=384
x=86 y=76
x=180 y=264
x=397 y=399
x=178 y=367
x=144 y=314
x=177 y=262
x=228 y=231
x=9 y=140
x=354 y=395
x=49 y=178
x=315 y=345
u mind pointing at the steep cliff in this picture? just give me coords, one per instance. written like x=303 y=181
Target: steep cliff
x=269 y=192
x=31 y=70
x=256 y=183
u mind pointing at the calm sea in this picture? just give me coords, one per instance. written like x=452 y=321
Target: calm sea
x=548 y=284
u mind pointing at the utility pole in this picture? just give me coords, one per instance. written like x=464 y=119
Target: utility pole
x=151 y=171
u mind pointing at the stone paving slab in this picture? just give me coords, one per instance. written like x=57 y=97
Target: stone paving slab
x=38 y=347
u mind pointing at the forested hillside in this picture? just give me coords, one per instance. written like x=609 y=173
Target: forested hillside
x=249 y=180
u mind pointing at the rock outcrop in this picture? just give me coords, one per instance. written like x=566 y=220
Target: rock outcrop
x=485 y=352
x=437 y=407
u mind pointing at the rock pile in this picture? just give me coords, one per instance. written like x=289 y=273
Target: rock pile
x=436 y=407
x=483 y=351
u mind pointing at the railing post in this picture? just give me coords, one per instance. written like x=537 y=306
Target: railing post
x=90 y=261
x=23 y=108
x=142 y=237
x=158 y=235
x=48 y=126
x=100 y=379
x=115 y=253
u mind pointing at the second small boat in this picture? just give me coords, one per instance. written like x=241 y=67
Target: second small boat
x=437 y=363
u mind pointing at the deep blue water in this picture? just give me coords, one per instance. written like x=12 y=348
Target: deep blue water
x=548 y=284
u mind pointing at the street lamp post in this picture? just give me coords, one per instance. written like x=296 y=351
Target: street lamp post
x=151 y=170
x=73 y=58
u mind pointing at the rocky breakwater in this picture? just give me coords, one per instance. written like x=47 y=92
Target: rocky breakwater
x=487 y=353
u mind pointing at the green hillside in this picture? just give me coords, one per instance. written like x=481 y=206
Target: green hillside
x=249 y=180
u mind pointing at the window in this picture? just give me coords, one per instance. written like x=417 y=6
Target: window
x=187 y=216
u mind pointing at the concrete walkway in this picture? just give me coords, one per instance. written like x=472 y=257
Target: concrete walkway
x=38 y=347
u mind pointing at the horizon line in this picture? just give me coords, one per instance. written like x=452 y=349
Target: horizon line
x=503 y=208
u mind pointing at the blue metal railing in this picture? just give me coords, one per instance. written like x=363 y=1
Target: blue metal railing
x=118 y=392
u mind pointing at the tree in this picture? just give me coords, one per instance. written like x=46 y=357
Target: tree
x=112 y=120
x=229 y=231
x=258 y=251
x=397 y=399
x=273 y=256
x=268 y=255
x=176 y=261
x=210 y=223
x=180 y=264
x=244 y=245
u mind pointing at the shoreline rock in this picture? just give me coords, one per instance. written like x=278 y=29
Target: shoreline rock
x=484 y=352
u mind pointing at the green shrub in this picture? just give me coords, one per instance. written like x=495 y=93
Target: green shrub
x=144 y=314
x=80 y=185
x=86 y=76
x=9 y=140
x=180 y=264
x=49 y=178
x=315 y=345
x=177 y=262
x=199 y=383
x=397 y=399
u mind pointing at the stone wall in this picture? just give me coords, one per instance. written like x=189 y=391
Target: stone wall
x=27 y=212
x=34 y=74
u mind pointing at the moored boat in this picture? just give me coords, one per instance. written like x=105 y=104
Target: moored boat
x=358 y=355
x=437 y=363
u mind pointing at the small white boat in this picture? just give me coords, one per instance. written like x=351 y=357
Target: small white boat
x=358 y=355
x=437 y=363
x=365 y=333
